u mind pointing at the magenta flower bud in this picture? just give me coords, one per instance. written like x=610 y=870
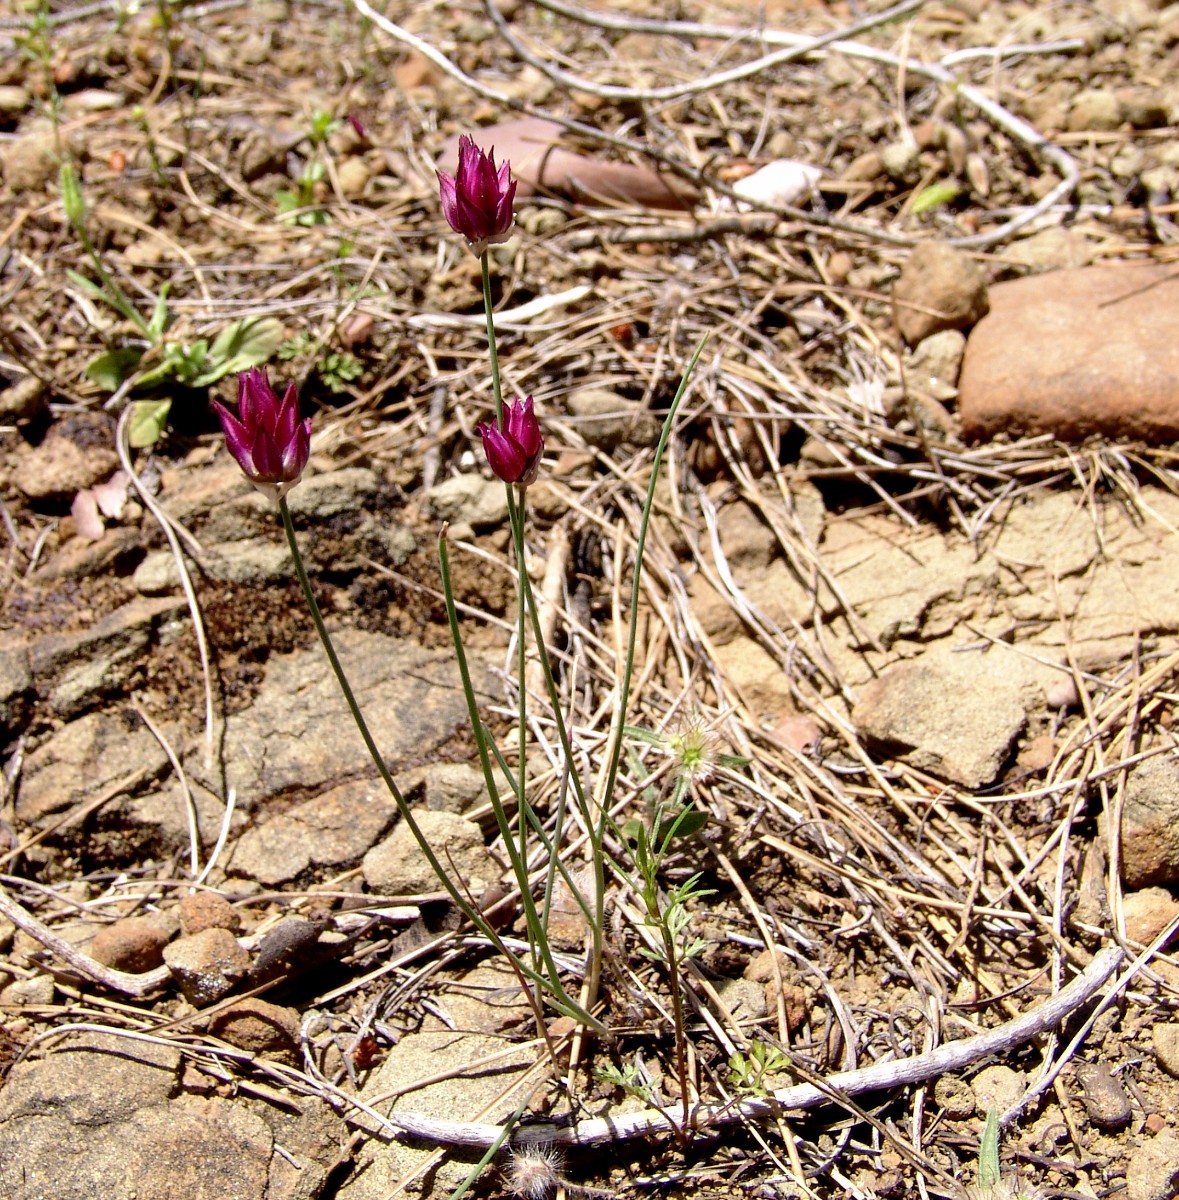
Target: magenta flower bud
x=477 y=199
x=266 y=438
x=513 y=452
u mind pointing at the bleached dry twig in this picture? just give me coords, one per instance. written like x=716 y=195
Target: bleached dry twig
x=952 y=1056
x=118 y=981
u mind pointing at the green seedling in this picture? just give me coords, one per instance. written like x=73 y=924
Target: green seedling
x=336 y=369
x=321 y=127
x=299 y=205
x=631 y=1077
x=991 y=1185
x=152 y=359
x=747 y=1073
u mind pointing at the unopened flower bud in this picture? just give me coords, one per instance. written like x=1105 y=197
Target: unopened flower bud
x=477 y=199
x=269 y=442
x=513 y=452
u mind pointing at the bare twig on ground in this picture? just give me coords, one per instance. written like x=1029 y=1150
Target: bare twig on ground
x=118 y=981
x=952 y=1056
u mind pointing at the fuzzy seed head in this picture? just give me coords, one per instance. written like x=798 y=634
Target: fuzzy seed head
x=534 y=1172
x=695 y=747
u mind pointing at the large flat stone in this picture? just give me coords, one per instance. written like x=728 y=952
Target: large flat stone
x=1075 y=353
x=299 y=734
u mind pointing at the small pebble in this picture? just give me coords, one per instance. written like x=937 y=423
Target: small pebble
x=134 y=944
x=208 y=910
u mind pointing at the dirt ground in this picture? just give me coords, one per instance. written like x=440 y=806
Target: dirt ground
x=946 y=668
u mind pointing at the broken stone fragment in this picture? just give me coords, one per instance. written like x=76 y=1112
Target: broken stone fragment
x=206 y=965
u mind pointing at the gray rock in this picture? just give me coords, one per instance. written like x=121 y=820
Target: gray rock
x=901 y=161
x=1150 y=824
x=333 y=830
x=98 y=1117
x=252 y=560
x=939 y=288
x=16 y=685
x=73 y=670
x=1165 y=1039
x=37 y=991
x=469 y=500
x=411 y=698
x=1104 y=1098
x=1055 y=249
x=353 y=174
x=161 y=818
x=76 y=453
x=329 y=493
x=911 y=587
x=747 y=540
x=84 y=759
x=94 y=1079
x=758 y=677
x=462 y=1088
x=14 y=99
x=997 y=1087
x=1095 y=111
x=1153 y=1170
x=28 y=163
x=206 y=965
x=608 y=420
x=23 y=400
x=954 y=715
x=454 y=787
x=934 y=365
x=954 y=1097
x=397 y=865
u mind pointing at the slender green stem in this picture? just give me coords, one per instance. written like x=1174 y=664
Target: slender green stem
x=627 y=671
x=493 y=354
x=537 y=937
x=560 y=999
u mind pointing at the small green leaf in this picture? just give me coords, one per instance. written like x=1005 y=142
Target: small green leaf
x=988 y=1153
x=159 y=316
x=88 y=286
x=935 y=196
x=72 y=199
x=148 y=418
x=244 y=344
x=111 y=369
x=684 y=824
x=634 y=833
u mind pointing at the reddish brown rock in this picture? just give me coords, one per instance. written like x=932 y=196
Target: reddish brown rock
x=939 y=288
x=208 y=910
x=1074 y=353
x=258 y=1026
x=1148 y=913
x=134 y=944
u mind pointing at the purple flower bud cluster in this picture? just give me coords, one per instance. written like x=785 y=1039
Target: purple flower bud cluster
x=267 y=438
x=513 y=452
x=269 y=442
x=477 y=199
